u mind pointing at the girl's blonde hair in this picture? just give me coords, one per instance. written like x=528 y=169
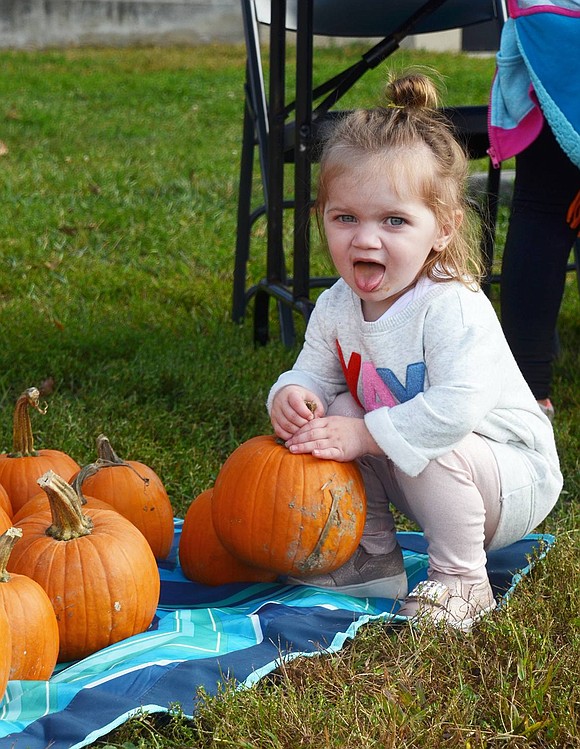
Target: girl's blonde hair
x=399 y=138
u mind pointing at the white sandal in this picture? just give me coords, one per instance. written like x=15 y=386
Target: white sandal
x=434 y=602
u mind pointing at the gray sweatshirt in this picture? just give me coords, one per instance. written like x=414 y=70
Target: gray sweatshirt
x=426 y=377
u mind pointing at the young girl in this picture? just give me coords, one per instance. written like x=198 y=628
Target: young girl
x=409 y=371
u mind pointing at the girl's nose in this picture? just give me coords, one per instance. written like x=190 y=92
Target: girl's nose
x=367 y=237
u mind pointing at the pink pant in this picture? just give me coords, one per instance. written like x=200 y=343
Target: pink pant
x=455 y=500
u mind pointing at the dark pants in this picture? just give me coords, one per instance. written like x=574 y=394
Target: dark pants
x=536 y=254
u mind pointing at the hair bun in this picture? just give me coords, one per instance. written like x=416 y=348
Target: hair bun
x=412 y=91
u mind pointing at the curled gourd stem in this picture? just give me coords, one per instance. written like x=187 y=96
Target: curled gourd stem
x=68 y=519
x=7 y=541
x=22 y=439
x=106 y=458
x=311 y=406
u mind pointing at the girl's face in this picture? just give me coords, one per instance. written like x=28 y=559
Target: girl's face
x=378 y=241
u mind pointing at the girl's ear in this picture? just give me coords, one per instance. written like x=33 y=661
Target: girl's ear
x=448 y=229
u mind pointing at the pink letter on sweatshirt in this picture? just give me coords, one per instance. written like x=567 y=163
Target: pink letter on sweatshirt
x=375 y=392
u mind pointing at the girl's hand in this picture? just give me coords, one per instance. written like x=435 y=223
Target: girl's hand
x=339 y=438
x=292 y=408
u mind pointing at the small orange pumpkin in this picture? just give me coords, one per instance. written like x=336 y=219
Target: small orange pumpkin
x=95 y=566
x=20 y=469
x=202 y=555
x=135 y=491
x=293 y=514
x=5 y=650
x=32 y=619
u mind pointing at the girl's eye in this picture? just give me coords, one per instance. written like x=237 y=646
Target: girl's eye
x=395 y=221
x=346 y=218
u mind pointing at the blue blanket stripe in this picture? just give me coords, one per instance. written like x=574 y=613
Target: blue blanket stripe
x=202 y=636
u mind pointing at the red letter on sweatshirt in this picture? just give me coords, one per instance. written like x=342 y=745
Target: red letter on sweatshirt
x=351 y=371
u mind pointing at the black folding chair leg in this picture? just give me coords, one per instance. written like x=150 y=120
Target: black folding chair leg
x=489 y=220
x=261 y=317
x=287 y=330
x=244 y=226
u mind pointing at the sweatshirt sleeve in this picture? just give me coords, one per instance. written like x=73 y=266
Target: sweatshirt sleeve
x=465 y=357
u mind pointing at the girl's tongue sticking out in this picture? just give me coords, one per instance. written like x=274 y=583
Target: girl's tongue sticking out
x=368 y=276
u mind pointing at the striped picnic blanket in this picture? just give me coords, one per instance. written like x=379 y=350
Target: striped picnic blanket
x=202 y=636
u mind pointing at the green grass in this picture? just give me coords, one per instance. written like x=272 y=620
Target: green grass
x=117 y=234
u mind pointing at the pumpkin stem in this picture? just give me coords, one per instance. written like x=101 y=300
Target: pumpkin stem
x=105 y=451
x=22 y=439
x=106 y=458
x=77 y=484
x=7 y=541
x=68 y=519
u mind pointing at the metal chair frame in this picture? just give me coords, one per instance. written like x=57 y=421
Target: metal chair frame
x=286 y=132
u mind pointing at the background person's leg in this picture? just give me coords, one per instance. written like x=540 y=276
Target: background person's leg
x=535 y=257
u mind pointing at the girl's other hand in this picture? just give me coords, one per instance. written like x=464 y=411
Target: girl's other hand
x=339 y=438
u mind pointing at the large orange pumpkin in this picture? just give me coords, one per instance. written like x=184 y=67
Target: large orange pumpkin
x=40 y=502
x=32 y=619
x=133 y=489
x=5 y=503
x=5 y=521
x=293 y=514
x=20 y=469
x=96 y=567
x=5 y=650
x=202 y=555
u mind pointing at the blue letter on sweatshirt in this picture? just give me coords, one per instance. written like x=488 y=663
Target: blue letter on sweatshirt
x=414 y=381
